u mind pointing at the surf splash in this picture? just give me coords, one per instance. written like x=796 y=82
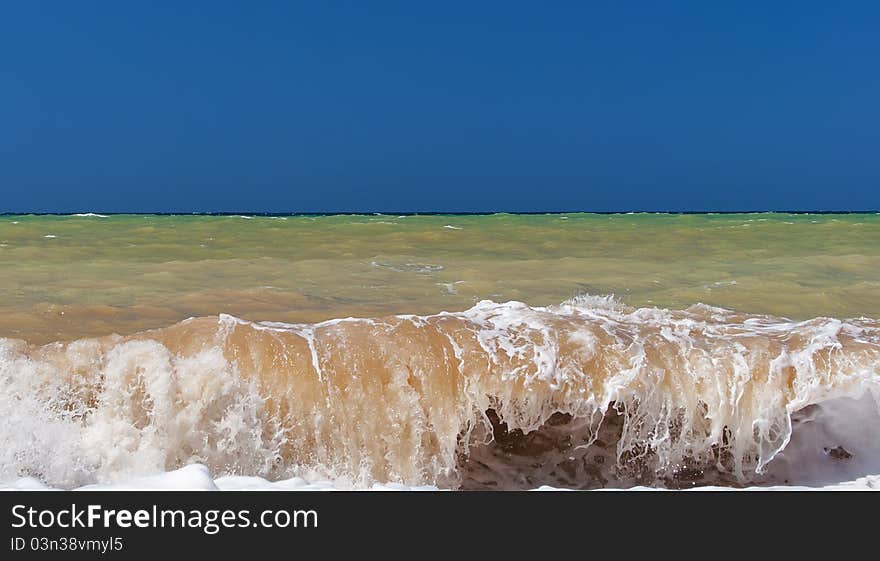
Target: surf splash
x=590 y=393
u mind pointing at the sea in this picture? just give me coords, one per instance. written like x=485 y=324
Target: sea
x=440 y=351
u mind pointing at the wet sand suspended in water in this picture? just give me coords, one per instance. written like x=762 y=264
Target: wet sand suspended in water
x=590 y=393
x=645 y=389
x=128 y=273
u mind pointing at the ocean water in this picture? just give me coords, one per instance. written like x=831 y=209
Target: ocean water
x=453 y=351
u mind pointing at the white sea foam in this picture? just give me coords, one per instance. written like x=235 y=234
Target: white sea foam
x=450 y=287
x=422 y=268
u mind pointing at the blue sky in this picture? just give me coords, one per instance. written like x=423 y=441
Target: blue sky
x=410 y=106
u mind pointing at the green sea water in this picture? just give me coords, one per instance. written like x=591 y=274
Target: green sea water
x=65 y=277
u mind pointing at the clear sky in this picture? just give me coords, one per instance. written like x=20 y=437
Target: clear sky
x=443 y=106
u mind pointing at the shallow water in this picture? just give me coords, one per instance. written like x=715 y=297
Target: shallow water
x=739 y=350
x=126 y=273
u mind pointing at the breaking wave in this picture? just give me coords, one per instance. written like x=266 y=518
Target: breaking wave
x=589 y=393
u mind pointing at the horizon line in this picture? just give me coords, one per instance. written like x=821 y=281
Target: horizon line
x=423 y=213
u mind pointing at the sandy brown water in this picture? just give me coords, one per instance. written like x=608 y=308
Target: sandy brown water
x=65 y=277
x=459 y=351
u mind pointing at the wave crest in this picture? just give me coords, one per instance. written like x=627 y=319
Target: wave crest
x=587 y=393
